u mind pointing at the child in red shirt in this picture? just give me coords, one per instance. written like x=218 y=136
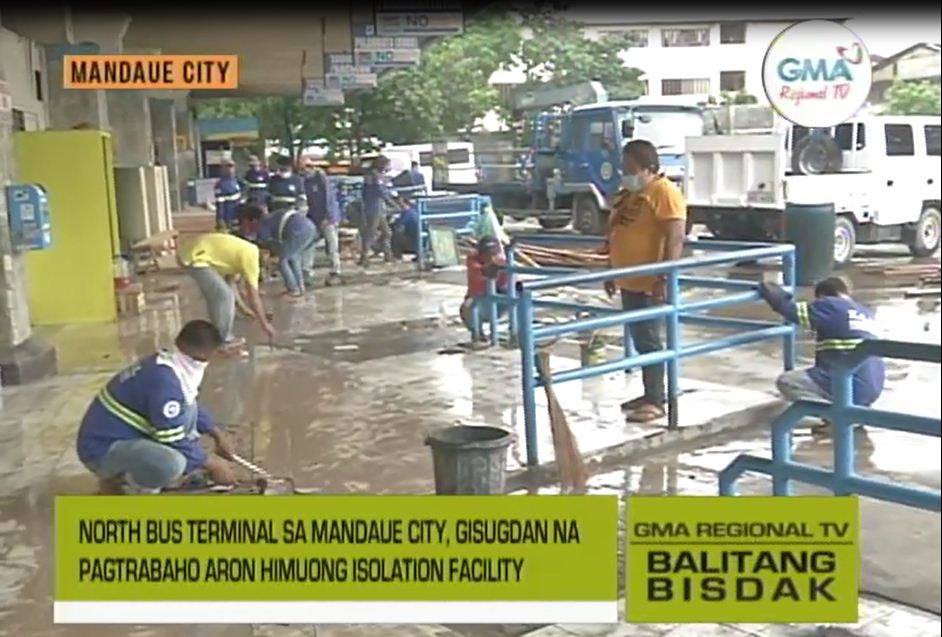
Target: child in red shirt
x=486 y=259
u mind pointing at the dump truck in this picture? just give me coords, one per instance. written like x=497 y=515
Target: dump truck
x=880 y=172
x=573 y=167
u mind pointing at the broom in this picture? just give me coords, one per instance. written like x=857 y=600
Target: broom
x=572 y=472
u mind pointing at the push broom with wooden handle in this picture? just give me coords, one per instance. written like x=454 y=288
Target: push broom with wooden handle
x=569 y=463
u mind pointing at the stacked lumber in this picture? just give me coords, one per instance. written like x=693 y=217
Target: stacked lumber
x=918 y=270
x=558 y=257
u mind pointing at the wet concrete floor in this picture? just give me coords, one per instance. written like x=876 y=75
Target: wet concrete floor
x=355 y=382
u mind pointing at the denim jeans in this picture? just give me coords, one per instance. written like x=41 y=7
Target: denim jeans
x=220 y=298
x=144 y=462
x=332 y=244
x=294 y=249
x=646 y=336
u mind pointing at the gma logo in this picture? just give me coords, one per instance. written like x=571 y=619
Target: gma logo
x=795 y=70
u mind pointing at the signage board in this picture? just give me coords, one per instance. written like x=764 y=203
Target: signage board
x=817 y=73
x=336 y=59
x=315 y=93
x=380 y=43
x=346 y=81
x=428 y=23
x=388 y=58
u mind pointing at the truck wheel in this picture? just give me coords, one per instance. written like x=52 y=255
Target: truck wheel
x=928 y=230
x=552 y=224
x=845 y=240
x=586 y=216
x=817 y=154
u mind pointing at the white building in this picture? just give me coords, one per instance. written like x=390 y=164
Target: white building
x=693 y=60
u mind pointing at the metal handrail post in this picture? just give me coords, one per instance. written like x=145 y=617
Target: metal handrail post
x=528 y=373
x=419 y=252
x=492 y=308
x=842 y=429
x=673 y=344
x=512 y=294
x=788 y=341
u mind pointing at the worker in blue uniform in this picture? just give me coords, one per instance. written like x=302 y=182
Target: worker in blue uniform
x=379 y=199
x=141 y=432
x=229 y=193
x=286 y=188
x=405 y=229
x=289 y=234
x=256 y=180
x=410 y=177
x=417 y=178
x=840 y=323
x=324 y=211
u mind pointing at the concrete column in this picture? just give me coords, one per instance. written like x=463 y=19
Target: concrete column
x=68 y=108
x=131 y=137
x=187 y=151
x=22 y=356
x=163 y=120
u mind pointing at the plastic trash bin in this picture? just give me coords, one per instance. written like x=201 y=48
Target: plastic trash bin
x=469 y=460
x=810 y=227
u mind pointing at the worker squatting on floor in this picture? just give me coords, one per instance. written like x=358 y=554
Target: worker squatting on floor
x=840 y=323
x=481 y=264
x=141 y=432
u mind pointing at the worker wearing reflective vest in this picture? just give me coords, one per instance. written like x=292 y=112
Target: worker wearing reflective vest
x=229 y=193
x=286 y=189
x=256 y=180
x=839 y=324
x=291 y=235
x=141 y=432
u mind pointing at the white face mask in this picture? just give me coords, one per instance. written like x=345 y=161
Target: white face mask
x=189 y=371
x=285 y=173
x=632 y=182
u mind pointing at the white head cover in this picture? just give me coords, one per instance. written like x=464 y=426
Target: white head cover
x=188 y=370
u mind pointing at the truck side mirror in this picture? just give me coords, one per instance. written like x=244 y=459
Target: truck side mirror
x=627 y=129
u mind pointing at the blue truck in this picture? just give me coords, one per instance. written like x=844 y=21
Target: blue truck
x=573 y=167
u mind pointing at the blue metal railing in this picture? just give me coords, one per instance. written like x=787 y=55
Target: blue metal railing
x=843 y=415
x=523 y=327
x=460 y=212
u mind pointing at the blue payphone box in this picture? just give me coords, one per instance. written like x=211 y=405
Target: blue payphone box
x=28 y=211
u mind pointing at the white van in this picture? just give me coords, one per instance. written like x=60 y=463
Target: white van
x=461 y=168
x=881 y=173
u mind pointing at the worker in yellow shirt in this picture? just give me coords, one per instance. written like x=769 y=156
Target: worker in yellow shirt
x=647 y=225
x=214 y=261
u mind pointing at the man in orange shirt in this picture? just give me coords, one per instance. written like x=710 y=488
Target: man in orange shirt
x=647 y=225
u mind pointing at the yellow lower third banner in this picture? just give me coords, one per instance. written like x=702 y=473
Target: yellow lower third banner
x=742 y=559
x=335 y=559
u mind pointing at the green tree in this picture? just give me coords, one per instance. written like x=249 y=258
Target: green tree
x=448 y=90
x=282 y=118
x=558 y=54
x=913 y=98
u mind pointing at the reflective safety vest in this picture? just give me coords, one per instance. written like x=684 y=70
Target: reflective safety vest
x=139 y=422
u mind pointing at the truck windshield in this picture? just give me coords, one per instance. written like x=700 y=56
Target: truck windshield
x=667 y=128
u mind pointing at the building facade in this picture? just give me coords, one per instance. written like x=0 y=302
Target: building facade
x=697 y=60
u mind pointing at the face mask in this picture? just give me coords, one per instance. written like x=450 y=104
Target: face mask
x=632 y=182
x=189 y=371
x=285 y=173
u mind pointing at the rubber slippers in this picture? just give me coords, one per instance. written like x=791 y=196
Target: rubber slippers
x=646 y=413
